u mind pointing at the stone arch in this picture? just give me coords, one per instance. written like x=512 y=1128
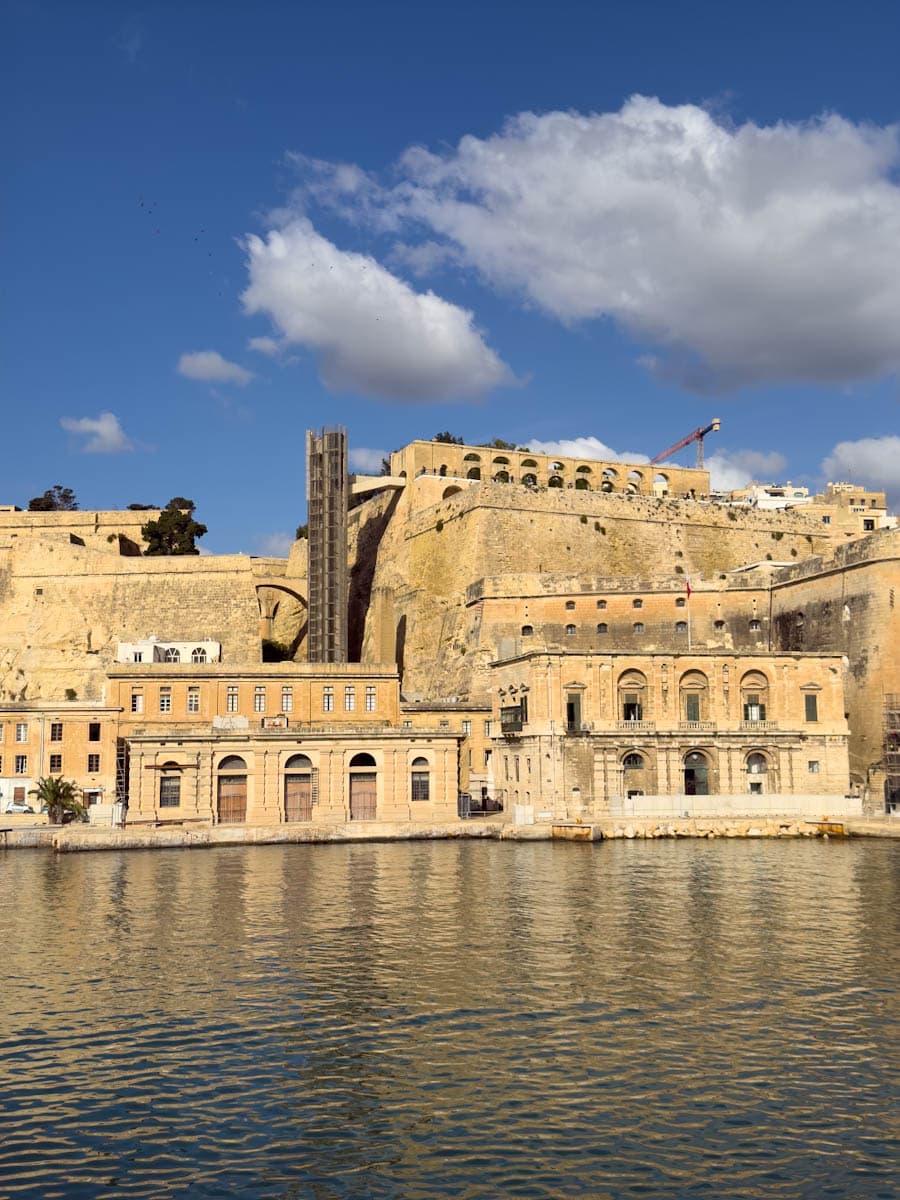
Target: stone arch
x=473 y=473
x=660 y=484
x=282 y=615
x=501 y=477
x=231 y=790
x=472 y=458
x=633 y=696
x=555 y=481
x=450 y=491
x=530 y=480
x=698 y=773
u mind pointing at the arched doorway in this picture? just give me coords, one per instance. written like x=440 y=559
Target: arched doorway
x=299 y=778
x=231 y=791
x=363 y=787
x=696 y=774
x=757 y=769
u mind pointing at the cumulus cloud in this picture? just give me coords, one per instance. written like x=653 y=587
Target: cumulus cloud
x=874 y=462
x=730 y=469
x=585 y=447
x=210 y=367
x=103 y=434
x=274 y=545
x=742 y=254
x=367 y=462
x=264 y=345
x=372 y=332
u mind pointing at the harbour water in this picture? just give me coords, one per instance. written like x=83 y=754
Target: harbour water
x=662 y=1019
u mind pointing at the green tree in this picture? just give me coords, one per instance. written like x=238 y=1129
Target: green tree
x=60 y=795
x=176 y=530
x=499 y=444
x=55 y=499
x=141 y=507
x=302 y=532
x=449 y=438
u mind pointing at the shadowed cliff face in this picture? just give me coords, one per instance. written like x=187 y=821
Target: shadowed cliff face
x=363 y=559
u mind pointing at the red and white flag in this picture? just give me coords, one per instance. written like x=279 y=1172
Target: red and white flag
x=687 y=585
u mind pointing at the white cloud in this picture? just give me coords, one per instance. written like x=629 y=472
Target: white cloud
x=209 y=366
x=367 y=462
x=874 y=462
x=744 y=254
x=264 y=345
x=729 y=469
x=584 y=447
x=274 y=545
x=372 y=333
x=104 y=434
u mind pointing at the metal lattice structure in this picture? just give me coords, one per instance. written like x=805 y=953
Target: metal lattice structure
x=892 y=752
x=327 y=494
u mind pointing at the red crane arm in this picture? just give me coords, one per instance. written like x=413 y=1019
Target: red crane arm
x=696 y=436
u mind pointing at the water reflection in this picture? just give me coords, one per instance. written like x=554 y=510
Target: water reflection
x=440 y=1019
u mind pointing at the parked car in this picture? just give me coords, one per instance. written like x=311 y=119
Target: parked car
x=18 y=806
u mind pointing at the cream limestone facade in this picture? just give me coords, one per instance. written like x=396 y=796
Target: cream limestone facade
x=75 y=740
x=580 y=733
x=278 y=743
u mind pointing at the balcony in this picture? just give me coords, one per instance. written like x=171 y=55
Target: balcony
x=756 y=726
x=576 y=727
x=696 y=726
x=637 y=726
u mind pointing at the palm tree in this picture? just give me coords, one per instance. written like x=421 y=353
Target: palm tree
x=60 y=795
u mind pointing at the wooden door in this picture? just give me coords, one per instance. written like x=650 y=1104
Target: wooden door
x=298 y=801
x=232 y=796
x=362 y=796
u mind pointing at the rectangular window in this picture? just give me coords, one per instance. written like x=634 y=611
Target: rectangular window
x=56 y=731
x=259 y=699
x=826 y=520
x=165 y=700
x=56 y=763
x=692 y=706
x=193 y=700
x=287 y=699
x=420 y=785
x=632 y=709
x=506 y=766
x=22 y=731
x=94 y=731
x=371 y=699
x=813 y=766
x=327 y=699
x=467 y=728
x=93 y=763
x=137 y=702
x=754 y=710
x=868 y=525
x=21 y=764
x=169 y=791
x=349 y=699
x=516 y=764
x=231 y=699
x=138 y=656
x=811 y=703
x=407 y=724
x=487 y=729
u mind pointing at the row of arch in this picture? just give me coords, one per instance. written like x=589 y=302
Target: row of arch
x=300 y=787
x=173 y=655
x=634 y=484
x=697 y=772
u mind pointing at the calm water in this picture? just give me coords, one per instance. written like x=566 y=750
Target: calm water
x=630 y=1019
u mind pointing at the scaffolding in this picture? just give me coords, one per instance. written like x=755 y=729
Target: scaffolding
x=892 y=752
x=327 y=492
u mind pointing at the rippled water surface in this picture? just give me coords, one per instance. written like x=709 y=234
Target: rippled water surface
x=441 y=1019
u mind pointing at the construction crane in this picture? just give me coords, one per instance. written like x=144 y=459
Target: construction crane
x=697 y=436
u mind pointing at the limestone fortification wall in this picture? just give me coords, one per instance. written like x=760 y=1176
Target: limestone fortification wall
x=426 y=557
x=850 y=605
x=114 y=531
x=64 y=607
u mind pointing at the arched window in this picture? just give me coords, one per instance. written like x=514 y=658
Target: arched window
x=233 y=762
x=528 y=462
x=633 y=483
x=755 y=625
x=557 y=466
x=660 y=485
x=582 y=484
x=757 y=770
x=198 y=655
x=632 y=689
x=694 y=693
x=637 y=604
x=501 y=477
x=471 y=458
x=603 y=627
x=362 y=760
x=601 y=604
x=718 y=625
x=680 y=602
x=527 y=630
x=583 y=470
x=570 y=631
x=633 y=762
x=501 y=460
x=530 y=480
x=554 y=481
x=172 y=655
x=754 y=696
x=442 y=470
x=638 y=627
x=420 y=780
x=473 y=473
x=299 y=762
x=696 y=774
x=570 y=605
x=681 y=626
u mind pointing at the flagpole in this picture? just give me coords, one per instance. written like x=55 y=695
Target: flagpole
x=687 y=580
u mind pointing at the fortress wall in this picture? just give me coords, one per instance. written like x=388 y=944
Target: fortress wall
x=850 y=606
x=427 y=558
x=63 y=608
x=113 y=531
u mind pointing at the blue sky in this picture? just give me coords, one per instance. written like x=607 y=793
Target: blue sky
x=226 y=223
